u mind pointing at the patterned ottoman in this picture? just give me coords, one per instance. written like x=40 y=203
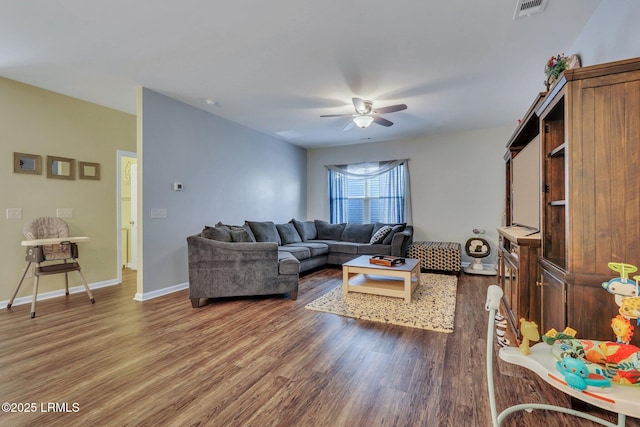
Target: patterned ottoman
x=443 y=256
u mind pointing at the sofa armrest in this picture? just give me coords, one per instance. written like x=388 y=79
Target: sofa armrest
x=220 y=269
x=401 y=241
x=209 y=252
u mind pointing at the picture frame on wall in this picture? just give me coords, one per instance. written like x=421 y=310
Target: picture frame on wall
x=60 y=168
x=27 y=163
x=89 y=170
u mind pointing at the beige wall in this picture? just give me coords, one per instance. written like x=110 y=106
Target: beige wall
x=36 y=121
x=457 y=181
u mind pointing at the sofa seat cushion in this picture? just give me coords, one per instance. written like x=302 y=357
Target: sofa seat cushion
x=299 y=252
x=343 y=247
x=315 y=248
x=376 y=249
x=287 y=263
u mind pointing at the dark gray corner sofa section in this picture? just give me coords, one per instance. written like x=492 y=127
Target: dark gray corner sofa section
x=264 y=258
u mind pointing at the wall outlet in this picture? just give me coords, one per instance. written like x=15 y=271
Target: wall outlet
x=64 y=212
x=158 y=213
x=14 y=213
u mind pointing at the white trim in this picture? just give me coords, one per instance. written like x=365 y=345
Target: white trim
x=119 y=155
x=61 y=292
x=160 y=292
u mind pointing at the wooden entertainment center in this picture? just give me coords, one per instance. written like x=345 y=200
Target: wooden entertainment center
x=588 y=126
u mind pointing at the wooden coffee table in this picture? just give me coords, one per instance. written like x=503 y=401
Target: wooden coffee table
x=399 y=281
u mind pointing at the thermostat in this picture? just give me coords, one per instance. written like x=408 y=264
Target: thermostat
x=177 y=186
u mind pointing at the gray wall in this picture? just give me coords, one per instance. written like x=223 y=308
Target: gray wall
x=611 y=34
x=457 y=181
x=229 y=172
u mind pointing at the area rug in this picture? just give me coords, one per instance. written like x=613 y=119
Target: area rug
x=432 y=305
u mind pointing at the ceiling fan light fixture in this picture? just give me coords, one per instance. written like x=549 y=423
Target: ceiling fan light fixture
x=363 y=121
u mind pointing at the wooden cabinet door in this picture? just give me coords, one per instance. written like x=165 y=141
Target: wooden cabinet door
x=553 y=296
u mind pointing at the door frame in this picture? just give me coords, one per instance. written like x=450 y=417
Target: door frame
x=119 y=155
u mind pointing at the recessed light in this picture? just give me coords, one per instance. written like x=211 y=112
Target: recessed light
x=210 y=101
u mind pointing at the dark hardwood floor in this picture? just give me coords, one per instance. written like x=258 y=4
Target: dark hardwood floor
x=253 y=362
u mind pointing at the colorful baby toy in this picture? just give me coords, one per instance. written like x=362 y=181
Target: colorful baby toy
x=578 y=376
x=529 y=332
x=622 y=328
x=586 y=362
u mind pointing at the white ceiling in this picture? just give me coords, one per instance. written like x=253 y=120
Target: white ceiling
x=277 y=65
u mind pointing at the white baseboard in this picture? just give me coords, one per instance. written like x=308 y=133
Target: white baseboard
x=160 y=292
x=59 y=293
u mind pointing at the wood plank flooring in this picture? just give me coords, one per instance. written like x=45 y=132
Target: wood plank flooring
x=263 y=361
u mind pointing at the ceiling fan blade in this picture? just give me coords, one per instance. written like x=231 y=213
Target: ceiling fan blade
x=391 y=109
x=349 y=125
x=361 y=107
x=381 y=121
x=335 y=115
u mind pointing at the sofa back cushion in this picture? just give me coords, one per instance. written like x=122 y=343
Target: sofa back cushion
x=357 y=233
x=288 y=233
x=306 y=229
x=395 y=229
x=265 y=231
x=328 y=231
x=238 y=233
x=216 y=233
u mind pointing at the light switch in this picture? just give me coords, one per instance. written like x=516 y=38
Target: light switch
x=158 y=213
x=64 y=212
x=14 y=213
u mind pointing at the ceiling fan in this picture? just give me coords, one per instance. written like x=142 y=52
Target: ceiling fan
x=365 y=114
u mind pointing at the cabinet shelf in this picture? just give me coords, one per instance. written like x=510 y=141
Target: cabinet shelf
x=558 y=151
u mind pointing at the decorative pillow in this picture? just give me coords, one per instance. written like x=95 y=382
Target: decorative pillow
x=241 y=236
x=216 y=233
x=239 y=233
x=265 y=231
x=378 y=236
x=396 y=228
x=328 y=231
x=306 y=229
x=288 y=233
x=357 y=233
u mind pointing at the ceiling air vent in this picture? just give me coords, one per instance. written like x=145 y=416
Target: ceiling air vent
x=525 y=8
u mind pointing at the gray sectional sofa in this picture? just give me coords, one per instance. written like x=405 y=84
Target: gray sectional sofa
x=263 y=258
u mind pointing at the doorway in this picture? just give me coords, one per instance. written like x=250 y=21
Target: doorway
x=127 y=204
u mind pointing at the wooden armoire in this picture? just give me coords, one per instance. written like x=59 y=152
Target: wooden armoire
x=590 y=213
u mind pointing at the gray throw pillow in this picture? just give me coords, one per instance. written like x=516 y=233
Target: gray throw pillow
x=396 y=228
x=216 y=233
x=328 y=231
x=241 y=236
x=357 y=233
x=288 y=233
x=306 y=229
x=378 y=236
x=265 y=231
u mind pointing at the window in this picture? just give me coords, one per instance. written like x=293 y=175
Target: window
x=369 y=192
